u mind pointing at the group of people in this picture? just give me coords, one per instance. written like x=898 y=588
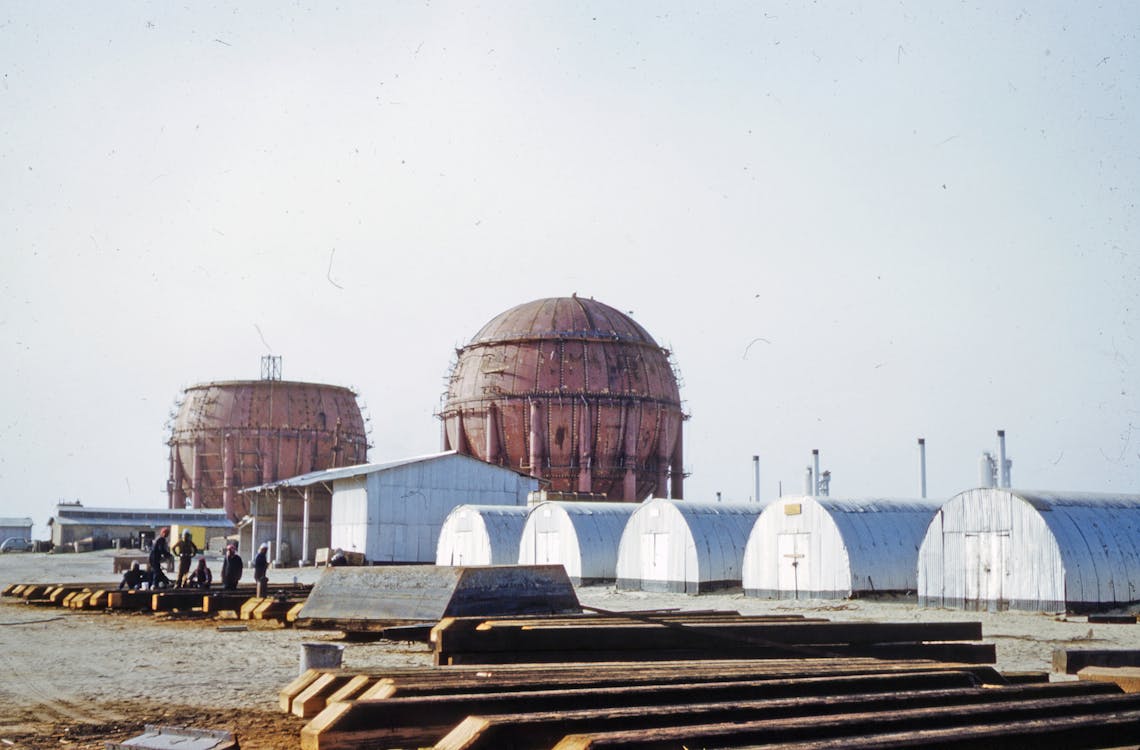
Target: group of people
x=198 y=578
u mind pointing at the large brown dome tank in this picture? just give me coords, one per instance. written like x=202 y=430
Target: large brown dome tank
x=572 y=392
x=241 y=433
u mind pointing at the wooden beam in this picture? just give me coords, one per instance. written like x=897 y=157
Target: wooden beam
x=530 y=730
x=1072 y=660
x=1127 y=678
x=1088 y=710
x=424 y=720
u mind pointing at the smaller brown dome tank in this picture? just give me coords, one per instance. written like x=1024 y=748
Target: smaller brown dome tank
x=240 y=433
x=574 y=393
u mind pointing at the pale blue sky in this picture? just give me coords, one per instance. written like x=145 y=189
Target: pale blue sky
x=928 y=209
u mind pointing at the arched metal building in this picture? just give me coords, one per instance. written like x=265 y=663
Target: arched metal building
x=573 y=392
x=1026 y=549
x=582 y=537
x=240 y=433
x=833 y=548
x=481 y=535
x=684 y=547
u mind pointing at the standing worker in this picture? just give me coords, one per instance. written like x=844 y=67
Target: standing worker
x=261 y=563
x=159 y=554
x=185 y=549
x=231 y=568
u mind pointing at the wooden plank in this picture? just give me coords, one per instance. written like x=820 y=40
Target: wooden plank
x=1062 y=733
x=224 y=602
x=356 y=685
x=673 y=636
x=424 y=720
x=508 y=678
x=972 y=653
x=248 y=606
x=1090 y=709
x=1072 y=660
x=291 y=615
x=313 y=699
x=530 y=730
x=166 y=601
x=1127 y=678
x=286 y=694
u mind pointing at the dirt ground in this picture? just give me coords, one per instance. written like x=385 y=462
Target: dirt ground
x=78 y=680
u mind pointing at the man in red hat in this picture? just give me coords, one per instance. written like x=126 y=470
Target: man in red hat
x=159 y=554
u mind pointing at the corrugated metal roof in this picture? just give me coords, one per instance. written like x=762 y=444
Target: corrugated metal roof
x=16 y=522
x=78 y=515
x=346 y=472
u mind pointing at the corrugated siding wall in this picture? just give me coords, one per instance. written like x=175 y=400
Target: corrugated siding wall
x=481 y=535
x=882 y=538
x=407 y=504
x=997 y=549
x=684 y=546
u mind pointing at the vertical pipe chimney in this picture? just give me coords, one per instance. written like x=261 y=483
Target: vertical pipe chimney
x=922 y=467
x=815 y=470
x=1003 y=470
x=756 y=475
x=808 y=486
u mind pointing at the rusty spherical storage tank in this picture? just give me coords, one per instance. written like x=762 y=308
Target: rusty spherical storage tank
x=240 y=433
x=574 y=393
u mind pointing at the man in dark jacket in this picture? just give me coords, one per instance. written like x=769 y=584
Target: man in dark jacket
x=159 y=554
x=133 y=578
x=261 y=563
x=231 y=568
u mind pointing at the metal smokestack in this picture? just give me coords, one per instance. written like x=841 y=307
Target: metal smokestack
x=1003 y=465
x=756 y=475
x=922 y=467
x=808 y=481
x=815 y=469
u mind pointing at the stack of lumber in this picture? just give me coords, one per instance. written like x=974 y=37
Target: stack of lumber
x=682 y=636
x=98 y=596
x=813 y=703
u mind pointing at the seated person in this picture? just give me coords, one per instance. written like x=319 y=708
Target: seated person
x=201 y=577
x=133 y=578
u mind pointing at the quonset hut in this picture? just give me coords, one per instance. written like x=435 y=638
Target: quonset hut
x=481 y=535
x=574 y=393
x=834 y=548
x=684 y=547
x=994 y=549
x=580 y=536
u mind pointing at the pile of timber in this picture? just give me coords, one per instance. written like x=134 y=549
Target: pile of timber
x=282 y=605
x=685 y=636
x=786 y=703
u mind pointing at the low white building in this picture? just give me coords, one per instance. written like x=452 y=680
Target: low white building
x=827 y=547
x=995 y=549
x=583 y=537
x=393 y=512
x=481 y=535
x=682 y=546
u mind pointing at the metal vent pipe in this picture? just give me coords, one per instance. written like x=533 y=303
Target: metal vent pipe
x=756 y=475
x=1003 y=465
x=815 y=469
x=922 y=467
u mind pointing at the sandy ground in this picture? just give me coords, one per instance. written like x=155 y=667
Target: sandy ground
x=78 y=680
